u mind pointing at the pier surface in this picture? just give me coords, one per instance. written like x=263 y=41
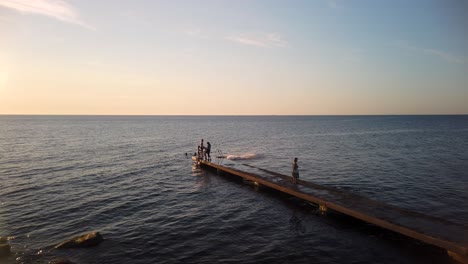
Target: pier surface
x=428 y=229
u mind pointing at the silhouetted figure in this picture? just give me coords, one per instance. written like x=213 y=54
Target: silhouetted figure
x=202 y=148
x=207 y=150
x=295 y=171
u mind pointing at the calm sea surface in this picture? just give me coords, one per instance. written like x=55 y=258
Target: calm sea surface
x=129 y=178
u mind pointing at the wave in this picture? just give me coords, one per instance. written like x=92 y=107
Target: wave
x=245 y=156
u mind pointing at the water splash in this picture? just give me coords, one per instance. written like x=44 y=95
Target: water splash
x=246 y=156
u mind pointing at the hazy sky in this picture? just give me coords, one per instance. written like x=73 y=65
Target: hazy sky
x=233 y=57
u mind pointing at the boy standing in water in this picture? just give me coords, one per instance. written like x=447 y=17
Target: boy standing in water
x=295 y=171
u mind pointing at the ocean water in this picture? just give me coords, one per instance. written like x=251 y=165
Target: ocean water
x=128 y=177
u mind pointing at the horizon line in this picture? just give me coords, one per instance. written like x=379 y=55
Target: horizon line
x=246 y=115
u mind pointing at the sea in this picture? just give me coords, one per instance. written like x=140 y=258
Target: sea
x=132 y=179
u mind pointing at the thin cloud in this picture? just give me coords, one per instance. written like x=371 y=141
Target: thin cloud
x=444 y=55
x=246 y=41
x=259 y=40
x=433 y=52
x=57 y=9
x=276 y=40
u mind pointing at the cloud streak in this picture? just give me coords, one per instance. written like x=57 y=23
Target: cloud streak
x=259 y=40
x=57 y=9
x=444 y=55
x=433 y=52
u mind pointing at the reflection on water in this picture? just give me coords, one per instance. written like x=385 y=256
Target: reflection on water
x=196 y=169
x=296 y=223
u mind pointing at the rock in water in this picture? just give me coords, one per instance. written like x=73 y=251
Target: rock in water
x=4 y=250
x=86 y=240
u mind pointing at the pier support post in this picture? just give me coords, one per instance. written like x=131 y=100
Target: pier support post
x=256 y=186
x=323 y=208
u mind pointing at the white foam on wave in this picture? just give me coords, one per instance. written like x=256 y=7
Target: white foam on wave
x=245 y=156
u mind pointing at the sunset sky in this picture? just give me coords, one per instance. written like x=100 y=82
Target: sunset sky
x=233 y=57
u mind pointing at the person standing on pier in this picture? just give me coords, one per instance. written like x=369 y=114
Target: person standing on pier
x=295 y=171
x=201 y=149
x=207 y=150
x=201 y=144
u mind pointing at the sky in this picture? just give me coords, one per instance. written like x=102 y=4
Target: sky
x=233 y=57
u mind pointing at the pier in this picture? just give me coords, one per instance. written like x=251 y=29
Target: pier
x=431 y=230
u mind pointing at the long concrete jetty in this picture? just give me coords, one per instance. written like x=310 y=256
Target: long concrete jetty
x=428 y=229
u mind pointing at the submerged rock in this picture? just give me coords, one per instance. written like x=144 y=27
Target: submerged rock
x=4 y=250
x=86 y=240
